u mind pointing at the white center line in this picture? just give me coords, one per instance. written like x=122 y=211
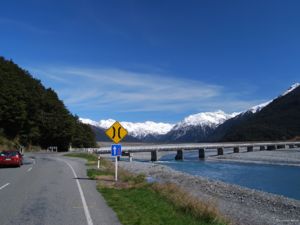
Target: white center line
x=85 y=207
x=5 y=185
x=29 y=169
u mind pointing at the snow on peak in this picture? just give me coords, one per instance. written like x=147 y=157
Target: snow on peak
x=88 y=121
x=146 y=128
x=106 y=123
x=293 y=87
x=135 y=129
x=212 y=119
x=259 y=107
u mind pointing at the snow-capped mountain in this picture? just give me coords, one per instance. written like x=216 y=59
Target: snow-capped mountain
x=231 y=124
x=197 y=127
x=89 y=122
x=292 y=88
x=138 y=130
x=279 y=120
x=152 y=131
x=259 y=107
x=211 y=119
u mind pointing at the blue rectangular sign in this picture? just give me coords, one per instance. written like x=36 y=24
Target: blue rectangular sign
x=116 y=150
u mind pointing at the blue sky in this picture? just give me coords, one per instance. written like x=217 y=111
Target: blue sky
x=155 y=60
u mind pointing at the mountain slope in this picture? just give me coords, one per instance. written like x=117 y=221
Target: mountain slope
x=279 y=120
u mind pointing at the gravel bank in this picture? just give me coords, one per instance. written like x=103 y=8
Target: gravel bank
x=281 y=157
x=242 y=205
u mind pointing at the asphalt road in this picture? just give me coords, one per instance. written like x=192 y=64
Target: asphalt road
x=51 y=190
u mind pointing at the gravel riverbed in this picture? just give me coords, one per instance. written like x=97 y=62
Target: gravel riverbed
x=279 y=157
x=243 y=206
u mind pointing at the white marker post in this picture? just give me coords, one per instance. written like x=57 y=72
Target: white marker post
x=98 y=161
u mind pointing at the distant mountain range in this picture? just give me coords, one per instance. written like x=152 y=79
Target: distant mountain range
x=191 y=127
x=269 y=120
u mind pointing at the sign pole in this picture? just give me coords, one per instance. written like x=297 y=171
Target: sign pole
x=116 y=133
x=116 y=168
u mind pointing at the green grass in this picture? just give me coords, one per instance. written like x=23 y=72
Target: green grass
x=88 y=157
x=91 y=159
x=93 y=173
x=142 y=206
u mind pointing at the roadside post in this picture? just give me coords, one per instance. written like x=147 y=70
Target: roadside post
x=116 y=133
x=98 y=161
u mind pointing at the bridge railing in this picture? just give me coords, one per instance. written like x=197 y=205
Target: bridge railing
x=236 y=146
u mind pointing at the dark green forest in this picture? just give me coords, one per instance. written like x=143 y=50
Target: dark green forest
x=32 y=115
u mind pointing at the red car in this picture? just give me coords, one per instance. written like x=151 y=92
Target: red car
x=11 y=158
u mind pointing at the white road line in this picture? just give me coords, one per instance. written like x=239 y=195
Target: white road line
x=5 y=185
x=85 y=207
x=29 y=169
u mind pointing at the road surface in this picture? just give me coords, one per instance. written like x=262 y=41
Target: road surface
x=51 y=190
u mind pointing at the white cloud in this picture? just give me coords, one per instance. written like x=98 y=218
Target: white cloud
x=126 y=91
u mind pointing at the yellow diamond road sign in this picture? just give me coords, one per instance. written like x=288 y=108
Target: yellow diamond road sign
x=116 y=132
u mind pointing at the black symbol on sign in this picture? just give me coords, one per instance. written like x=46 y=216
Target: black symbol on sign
x=118 y=132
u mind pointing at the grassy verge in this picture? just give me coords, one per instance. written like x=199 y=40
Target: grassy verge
x=91 y=158
x=137 y=202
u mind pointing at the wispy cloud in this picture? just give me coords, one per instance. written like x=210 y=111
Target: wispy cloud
x=23 y=25
x=109 y=88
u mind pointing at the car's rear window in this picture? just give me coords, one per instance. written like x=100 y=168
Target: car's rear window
x=12 y=153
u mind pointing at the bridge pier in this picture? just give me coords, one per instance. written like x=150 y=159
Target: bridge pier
x=130 y=155
x=179 y=155
x=271 y=147
x=236 y=149
x=280 y=146
x=220 y=151
x=154 y=155
x=250 y=149
x=291 y=146
x=201 y=153
x=262 y=148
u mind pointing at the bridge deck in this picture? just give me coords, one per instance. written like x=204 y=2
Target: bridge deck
x=193 y=146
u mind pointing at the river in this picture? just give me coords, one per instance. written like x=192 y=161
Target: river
x=277 y=179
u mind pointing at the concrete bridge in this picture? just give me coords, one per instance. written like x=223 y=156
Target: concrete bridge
x=235 y=147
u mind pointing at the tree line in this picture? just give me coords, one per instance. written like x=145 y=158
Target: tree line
x=31 y=114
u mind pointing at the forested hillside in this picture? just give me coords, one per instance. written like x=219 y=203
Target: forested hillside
x=280 y=120
x=30 y=114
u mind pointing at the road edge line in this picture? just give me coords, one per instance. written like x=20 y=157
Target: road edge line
x=5 y=185
x=85 y=207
